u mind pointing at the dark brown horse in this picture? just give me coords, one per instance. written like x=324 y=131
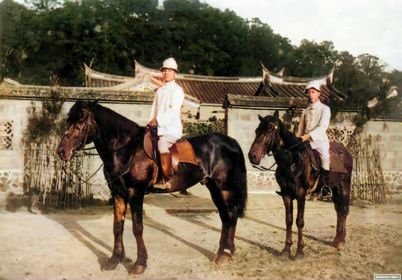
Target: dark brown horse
x=296 y=175
x=129 y=172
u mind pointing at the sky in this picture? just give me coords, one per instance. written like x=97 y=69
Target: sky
x=356 y=26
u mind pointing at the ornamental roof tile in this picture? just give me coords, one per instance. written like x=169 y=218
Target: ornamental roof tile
x=212 y=89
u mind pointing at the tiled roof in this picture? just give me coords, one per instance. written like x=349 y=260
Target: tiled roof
x=213 y=90
x=275 y=85
x=206 y=89
x=234 y=100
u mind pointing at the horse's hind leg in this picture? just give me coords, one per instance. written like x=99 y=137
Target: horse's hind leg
x=288 y=202
x=341 y=201
x=229 y=221
x=119 y=209
x=232 y=230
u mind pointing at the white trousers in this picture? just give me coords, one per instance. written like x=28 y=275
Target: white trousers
x=165 y=142
x=324 y=156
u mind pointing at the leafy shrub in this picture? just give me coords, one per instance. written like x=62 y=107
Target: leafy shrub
x=197 y=128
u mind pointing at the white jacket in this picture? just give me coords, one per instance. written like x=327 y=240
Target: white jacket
x=166 y=109
x=315 y=121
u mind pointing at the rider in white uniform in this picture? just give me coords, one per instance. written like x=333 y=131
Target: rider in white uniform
x=313 y=126
x=165 y=114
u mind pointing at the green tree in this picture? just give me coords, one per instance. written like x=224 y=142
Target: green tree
x=16 y=37
x=54 y=37
x=313 y=59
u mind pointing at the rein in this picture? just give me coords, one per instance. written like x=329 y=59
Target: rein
x=86 y=181
x=273 y=152
x=87 y=126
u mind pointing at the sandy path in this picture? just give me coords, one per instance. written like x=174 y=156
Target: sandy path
x=182 y=234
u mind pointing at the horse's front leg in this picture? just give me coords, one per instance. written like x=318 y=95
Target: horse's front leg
x=288 y=202
x=119 y=207
x=301 y=202
x=136 y=206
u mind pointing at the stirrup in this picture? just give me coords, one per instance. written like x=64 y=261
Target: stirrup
x=329 y=193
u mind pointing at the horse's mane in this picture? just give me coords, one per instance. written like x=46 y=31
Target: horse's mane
x=288 y=137
x=117 y=121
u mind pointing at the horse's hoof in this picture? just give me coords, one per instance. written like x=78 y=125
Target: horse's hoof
x=110 y=264
x=138 y=269
x=338 y=244
x=222 y=257
x=335 y=245
x=299 y=255
x=285 y=254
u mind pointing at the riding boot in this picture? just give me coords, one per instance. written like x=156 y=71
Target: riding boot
x=325 y=177
x=167 y=171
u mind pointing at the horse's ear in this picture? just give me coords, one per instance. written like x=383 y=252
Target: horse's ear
x=276 y=114
x=92 y=104
x=260 y=118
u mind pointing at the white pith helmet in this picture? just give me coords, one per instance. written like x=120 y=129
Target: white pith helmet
x=313 y=84
x=170 y=63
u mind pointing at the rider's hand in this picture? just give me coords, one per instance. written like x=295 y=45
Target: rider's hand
x=152 y=123
x=305 y=137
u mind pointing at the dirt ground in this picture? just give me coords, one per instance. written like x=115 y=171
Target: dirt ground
x=182 y=235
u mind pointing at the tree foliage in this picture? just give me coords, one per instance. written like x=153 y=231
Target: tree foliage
x=53 y=37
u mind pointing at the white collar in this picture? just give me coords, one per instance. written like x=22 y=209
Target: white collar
x=316 y=104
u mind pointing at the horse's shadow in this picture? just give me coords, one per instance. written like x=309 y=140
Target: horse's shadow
x=308 y=236
x=98 y=246
x=163 y=202
x=269 y=249
x=87 y=238
x=166 y=230
x=204 y=201
x=93 y=243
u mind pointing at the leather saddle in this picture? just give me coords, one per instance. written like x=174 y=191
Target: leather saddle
x=336 y=158
x=181 y=151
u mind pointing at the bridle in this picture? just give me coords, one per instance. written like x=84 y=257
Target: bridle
x=268 y=142
x=85 y=130
x=88 y=125
x=274 y=139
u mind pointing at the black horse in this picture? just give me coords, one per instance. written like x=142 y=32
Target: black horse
x=296 y=175
x=129 y=172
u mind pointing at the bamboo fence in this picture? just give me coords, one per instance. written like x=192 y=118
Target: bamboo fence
x=367 y=177
x=368 y=180
x=58 y=184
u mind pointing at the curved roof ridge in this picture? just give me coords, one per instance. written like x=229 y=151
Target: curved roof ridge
x=100 y=75
x=218 y=78
x=141 y=69
x=280 y=78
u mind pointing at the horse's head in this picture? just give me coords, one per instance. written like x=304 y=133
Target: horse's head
x=81 y=129
x=266 y=138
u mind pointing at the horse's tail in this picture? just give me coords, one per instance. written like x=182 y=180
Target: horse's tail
x=238 y=181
